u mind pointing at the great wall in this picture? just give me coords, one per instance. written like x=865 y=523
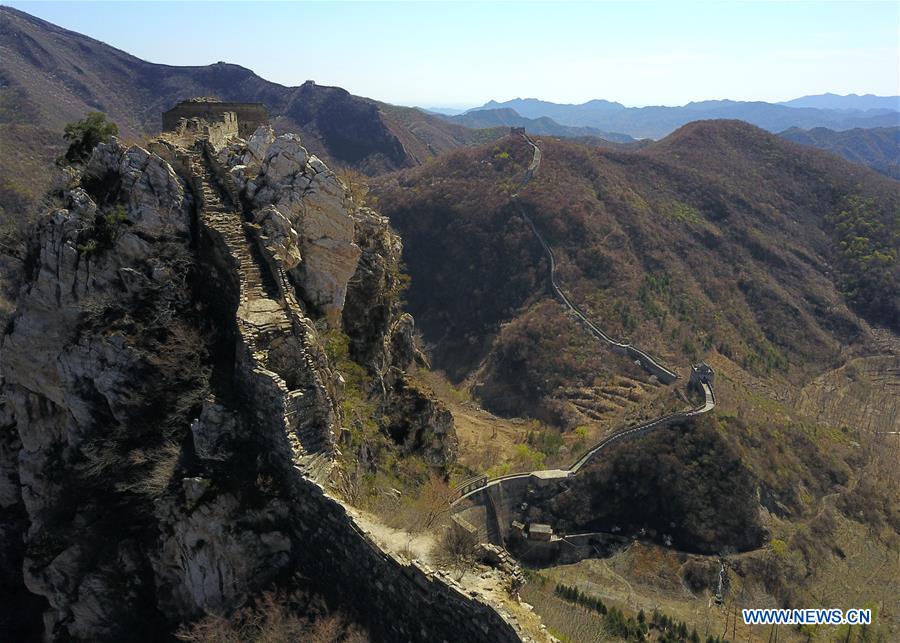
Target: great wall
x=277 y=364
x=245 y=116
x=493 y=509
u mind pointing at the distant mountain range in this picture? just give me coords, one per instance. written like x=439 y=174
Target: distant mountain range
x=850 y=101
x=878 y=147
x=444 y=111
x=543 y=126
x=657 y=121
x=50 y=76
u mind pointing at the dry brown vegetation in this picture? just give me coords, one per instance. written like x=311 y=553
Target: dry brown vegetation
x=719 y=242
x=716 y=238
x=273 y=619
x=456 y=548
x=544 y=365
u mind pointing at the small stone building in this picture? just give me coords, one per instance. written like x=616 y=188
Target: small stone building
x=249 y=115
x=515 y=131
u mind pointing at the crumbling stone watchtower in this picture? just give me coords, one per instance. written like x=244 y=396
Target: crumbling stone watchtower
x=249 y=115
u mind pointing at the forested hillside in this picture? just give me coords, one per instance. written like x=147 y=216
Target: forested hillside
x=720 y=238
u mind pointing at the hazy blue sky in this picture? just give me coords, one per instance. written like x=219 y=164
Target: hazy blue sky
x=457 y=53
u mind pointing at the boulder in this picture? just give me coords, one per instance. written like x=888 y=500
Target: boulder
x=212 y=432
x=279 y=236
x=285 y=157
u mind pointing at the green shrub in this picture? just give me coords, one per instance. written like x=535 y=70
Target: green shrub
x=547 y=441
x=529 y=459
x=86 y=134
x=683 y=212
x=779 y=547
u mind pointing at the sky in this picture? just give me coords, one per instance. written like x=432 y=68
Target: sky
x=459 y=54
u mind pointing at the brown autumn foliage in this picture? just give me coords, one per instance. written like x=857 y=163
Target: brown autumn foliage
x=536 y=356
x=719 y=237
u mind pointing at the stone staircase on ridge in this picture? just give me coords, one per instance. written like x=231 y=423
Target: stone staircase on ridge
x=265 y=321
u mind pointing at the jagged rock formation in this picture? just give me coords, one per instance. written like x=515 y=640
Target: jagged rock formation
x=419 y=423
x=290 y=188
x=372 y=324
x=333 y=250
x=169 y=412
x=91 y=363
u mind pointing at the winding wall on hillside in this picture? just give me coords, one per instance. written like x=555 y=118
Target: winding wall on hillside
x=648 y=363
x=488 y=504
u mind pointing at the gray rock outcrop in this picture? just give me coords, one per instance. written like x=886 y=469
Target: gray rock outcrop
x=279 y=173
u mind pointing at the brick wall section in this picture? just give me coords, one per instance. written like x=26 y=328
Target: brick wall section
x=220 y=132
x=400 y=601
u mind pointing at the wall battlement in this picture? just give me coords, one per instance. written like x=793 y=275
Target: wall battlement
x=249 y=115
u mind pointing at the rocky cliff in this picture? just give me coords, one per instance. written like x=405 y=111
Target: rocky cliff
x=170 y=415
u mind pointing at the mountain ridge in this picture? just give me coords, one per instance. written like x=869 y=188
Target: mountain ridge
x=543 y=126
x=615 y=216
x=657 y=121
x=848 y=101
x=877 y=147
x=722 y=243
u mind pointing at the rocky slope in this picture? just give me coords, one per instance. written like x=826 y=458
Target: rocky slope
x=170 y=411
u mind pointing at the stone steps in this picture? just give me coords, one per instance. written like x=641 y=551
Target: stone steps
x=227 y=221
x=264 y=320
